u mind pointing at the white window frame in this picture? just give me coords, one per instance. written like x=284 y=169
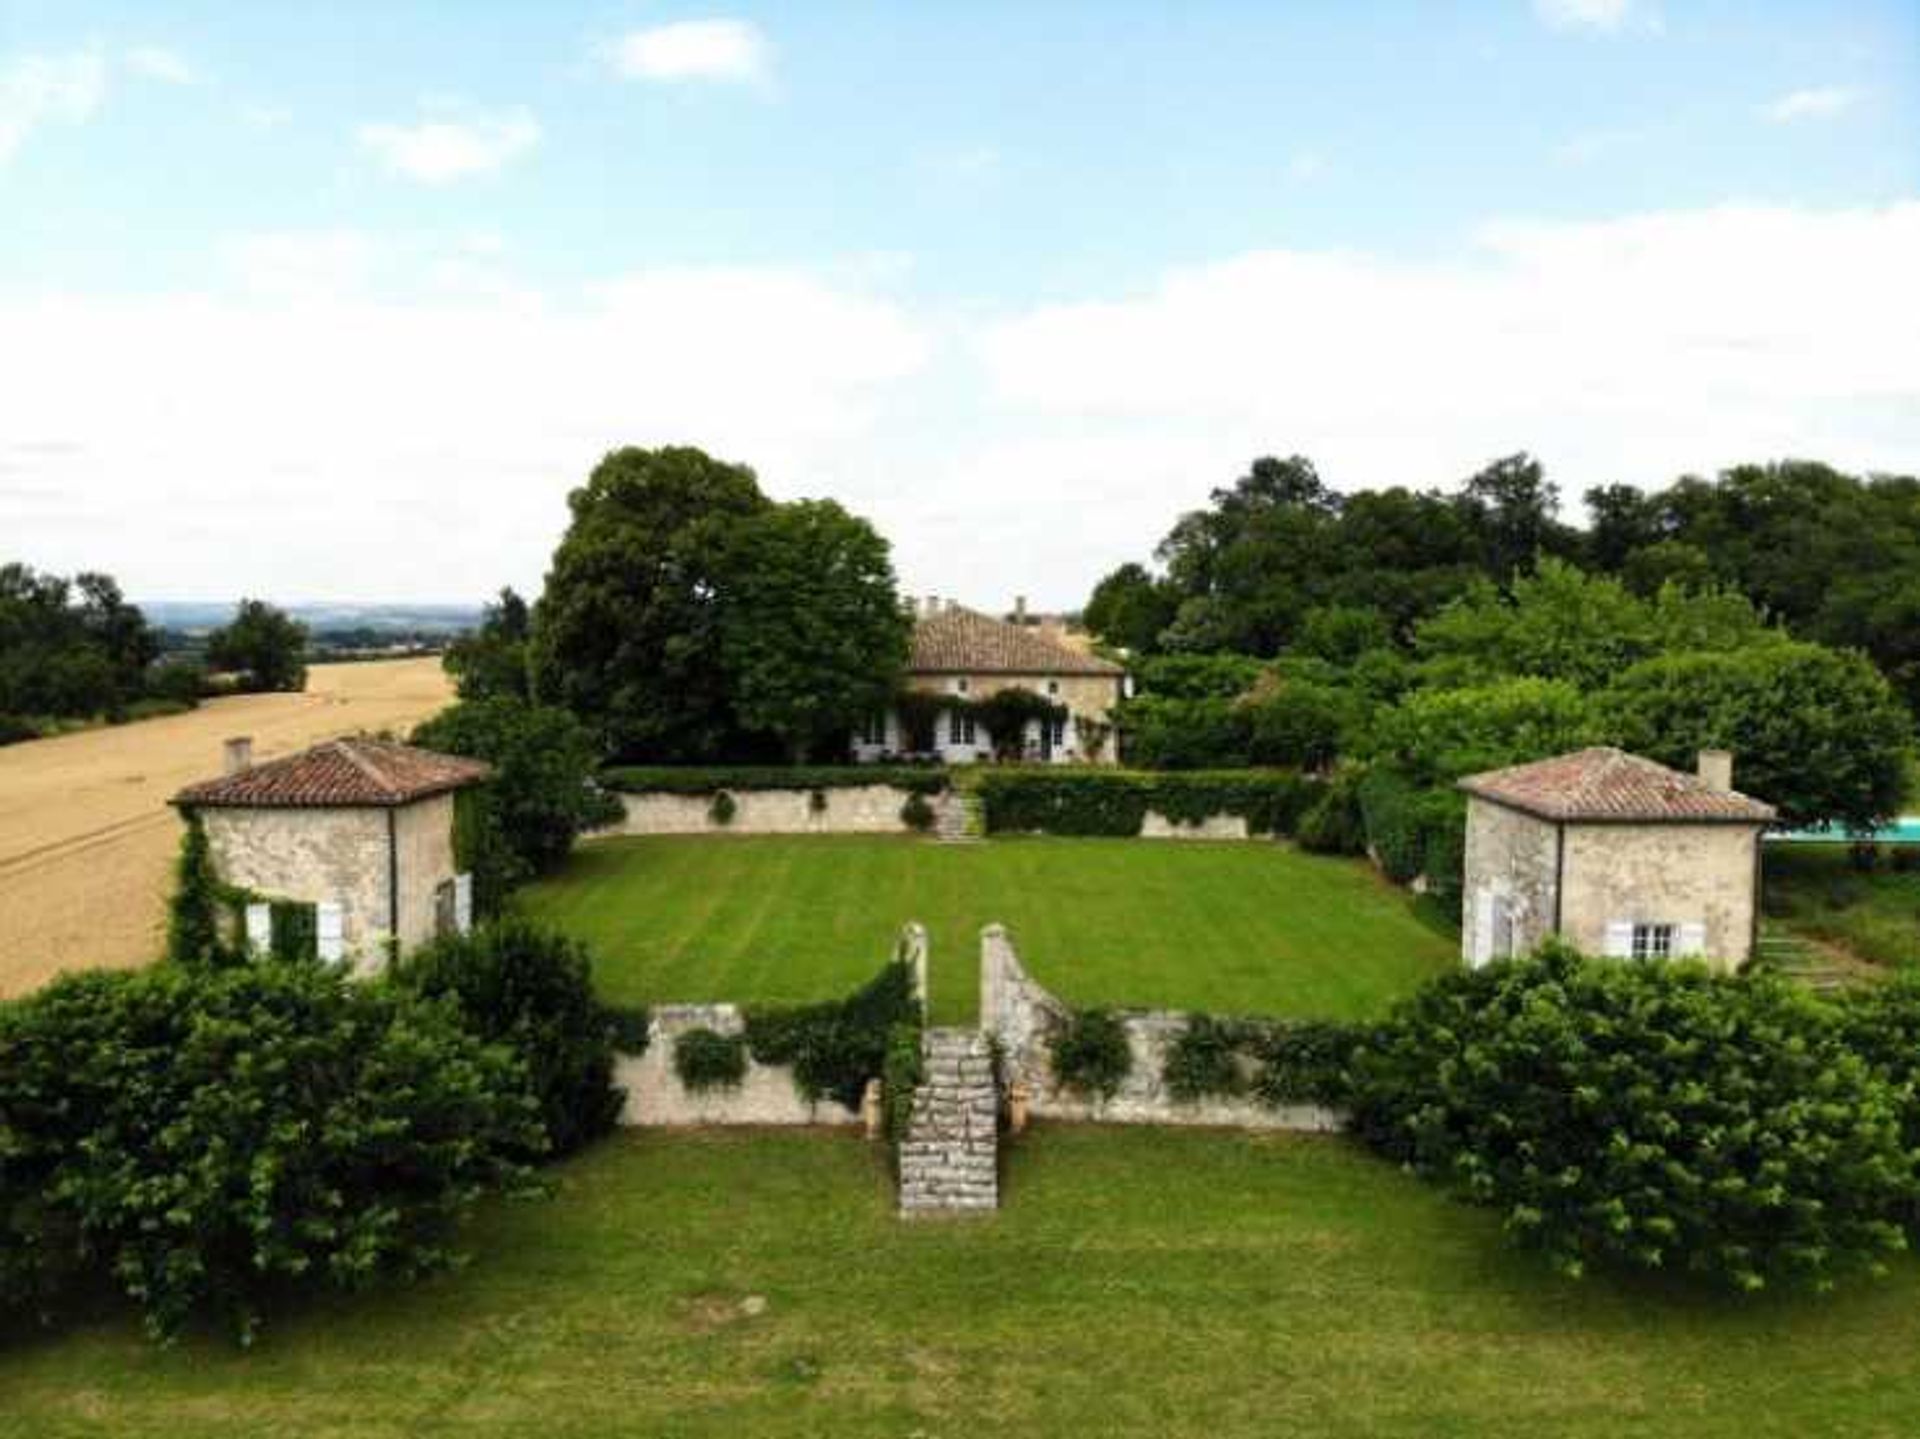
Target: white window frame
x=1653 y=941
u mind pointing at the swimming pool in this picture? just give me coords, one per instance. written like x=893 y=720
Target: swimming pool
x=1904 y=830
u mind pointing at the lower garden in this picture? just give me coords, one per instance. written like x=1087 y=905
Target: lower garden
x=1250 y=928
x=1137 y=1281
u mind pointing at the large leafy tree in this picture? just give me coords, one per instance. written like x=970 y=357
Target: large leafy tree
x=812 y=632
x=688 y=617
x=1818 y=733
x=627 y=632
x=1131 y=609
x=265 y=644
x=69 y=647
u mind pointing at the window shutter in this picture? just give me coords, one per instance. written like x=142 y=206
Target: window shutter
x=463 y=903
x=260 y=928
x=330 y=930
x=1690 y=939
x=1620 y=939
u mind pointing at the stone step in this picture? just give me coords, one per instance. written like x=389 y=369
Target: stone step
x=949 y=1158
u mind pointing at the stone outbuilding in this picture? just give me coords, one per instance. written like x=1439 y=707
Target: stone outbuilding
x=962 y=656
x=1618 y=854
x=360 y=829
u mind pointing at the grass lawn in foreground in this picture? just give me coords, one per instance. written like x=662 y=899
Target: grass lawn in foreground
x=1154 y=1282
x=1230 y=927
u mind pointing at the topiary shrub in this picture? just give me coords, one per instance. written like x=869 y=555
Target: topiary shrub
x=816 y=801
x=531 y=989
x=916 y=814
x=1646 y=1117
x=1090 y=1053
x=201 y=1138
x=722 y=808
x=705 y=1059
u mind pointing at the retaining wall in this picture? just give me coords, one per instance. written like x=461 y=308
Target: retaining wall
x=1021 y=1014
x=766 y=1095
x=856 y=809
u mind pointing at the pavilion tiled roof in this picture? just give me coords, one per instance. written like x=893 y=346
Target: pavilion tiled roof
x=963 y=641
x=1604 y=784
x=341 y=773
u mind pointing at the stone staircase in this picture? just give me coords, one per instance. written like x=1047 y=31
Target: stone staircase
x=1785 y=953
x=950 y=1158
x=961 y=819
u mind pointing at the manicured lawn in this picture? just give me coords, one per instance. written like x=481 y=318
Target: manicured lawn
x=1876 y=915
x=1160 y=1283
x=1234 y=928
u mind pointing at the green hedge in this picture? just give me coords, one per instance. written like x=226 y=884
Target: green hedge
x=836 y=1047
x=1276 y=1061
x=1115 y=802
x=1413 y=831
x=710 y=779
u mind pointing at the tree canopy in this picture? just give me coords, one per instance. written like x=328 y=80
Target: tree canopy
x=69 y=647
x=263 y=643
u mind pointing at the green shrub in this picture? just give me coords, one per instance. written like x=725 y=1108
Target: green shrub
x=1333 y=824
x=723 y=808
x=706 y=1059
x=836 y=1047
x=182 y=682
x=1413 y=830
x=198 y=1138
x=1645 y=1116
x=532 y=990
x=816 y=800
x=1160 y=732
x=1881 y=1024
x=742 y=779
x=1204 y=1062
x=1090 y=1053
x=629 y=1027
x=917 y=814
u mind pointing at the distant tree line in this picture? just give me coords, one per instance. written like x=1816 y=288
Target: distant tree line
x=74 y=650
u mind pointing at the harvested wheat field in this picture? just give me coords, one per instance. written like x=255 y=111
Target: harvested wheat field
x=87 y=840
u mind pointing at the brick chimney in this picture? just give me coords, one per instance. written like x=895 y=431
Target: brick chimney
x=238 y=753
x=1716 y=768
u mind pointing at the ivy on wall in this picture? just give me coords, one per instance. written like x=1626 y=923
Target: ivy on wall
x=1048 y=800
x=1276 y=1061
x=836 y=1047
x=1090 y=1052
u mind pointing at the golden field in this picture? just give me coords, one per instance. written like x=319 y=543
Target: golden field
x=87 y=840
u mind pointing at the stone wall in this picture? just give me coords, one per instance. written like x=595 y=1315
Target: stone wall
x=766 y=1095
x=315 y=856
x=424 y=835
x=1154 y=825
x=1677 y=874
x=1508 y=879
x=859 y=809
x=1021 y=1014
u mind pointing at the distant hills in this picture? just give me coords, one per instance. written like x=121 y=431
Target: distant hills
x=191 y=615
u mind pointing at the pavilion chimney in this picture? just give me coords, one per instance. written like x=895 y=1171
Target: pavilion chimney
x=239 y=753
x=1716 y=768
x=1019 y=609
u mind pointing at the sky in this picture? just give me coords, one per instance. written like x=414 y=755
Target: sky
x=333 y=302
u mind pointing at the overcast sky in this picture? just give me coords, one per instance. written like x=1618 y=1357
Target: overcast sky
x=335 y=302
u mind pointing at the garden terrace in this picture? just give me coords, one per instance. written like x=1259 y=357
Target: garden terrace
x=752 y=1283
x=1240 y=928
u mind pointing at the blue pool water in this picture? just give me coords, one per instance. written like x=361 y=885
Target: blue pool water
x=1904 y=830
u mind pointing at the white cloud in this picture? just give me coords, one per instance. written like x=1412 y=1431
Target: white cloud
x=1816 y=102
x=437 y=151
x=1631 y=349
x=39 y=90
x=310 y=436
x=1304 y=165
x=1605 y=15
x=154 y=62
x=731 y=50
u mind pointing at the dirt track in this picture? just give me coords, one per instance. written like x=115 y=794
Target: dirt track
x=87 y=839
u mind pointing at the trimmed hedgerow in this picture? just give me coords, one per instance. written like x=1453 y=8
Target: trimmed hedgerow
x=1048 y=800
x=1647 y=1117
x=1090 y=1053
x=836 y=1047
x=202 y=1138
x=705 y=1059
x=709 y=779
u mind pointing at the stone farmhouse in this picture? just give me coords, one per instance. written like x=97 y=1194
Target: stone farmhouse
x=967 y=656
x=1620 y=855
x=361 y=829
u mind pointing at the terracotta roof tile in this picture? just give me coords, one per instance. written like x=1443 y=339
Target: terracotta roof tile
x=1609 y=784
x=963 y=641
x=339 y=773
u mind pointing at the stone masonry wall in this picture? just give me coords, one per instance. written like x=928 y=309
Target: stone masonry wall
x=862 y=809
x=655 y=1095
x=315 y=856
x=1022 y=1015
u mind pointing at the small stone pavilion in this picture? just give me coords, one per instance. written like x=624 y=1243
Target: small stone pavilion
x=361 y=829
x=1620 y=855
